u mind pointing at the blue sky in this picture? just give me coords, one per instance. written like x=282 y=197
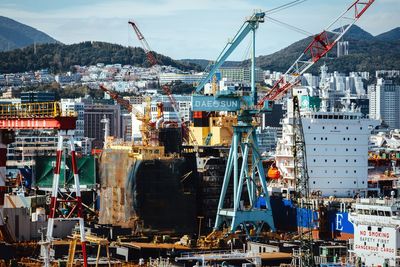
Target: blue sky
x=188 y=28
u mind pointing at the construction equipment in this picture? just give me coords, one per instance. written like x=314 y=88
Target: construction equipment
x=248 y=172
x=91 y=239
x=165 y=88
x=145 y=127
x=248 y=109
x=150 y=57
x=48 y=116
x=321 y=44
x=302 y=184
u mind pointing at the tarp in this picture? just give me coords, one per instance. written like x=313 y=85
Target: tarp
x=44 y=171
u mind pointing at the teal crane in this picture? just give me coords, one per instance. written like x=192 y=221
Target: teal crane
x=244 y=164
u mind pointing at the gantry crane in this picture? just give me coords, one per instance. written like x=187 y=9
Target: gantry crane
x=251 y=173
x=247 y=172
x=152 y=60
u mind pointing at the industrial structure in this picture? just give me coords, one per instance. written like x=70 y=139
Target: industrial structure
x=155 y=187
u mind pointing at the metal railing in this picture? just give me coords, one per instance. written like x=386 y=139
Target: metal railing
x=33 y=110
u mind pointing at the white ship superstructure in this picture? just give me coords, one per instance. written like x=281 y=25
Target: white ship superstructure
x=376 y=232
x=336 y=147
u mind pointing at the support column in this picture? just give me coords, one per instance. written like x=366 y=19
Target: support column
x=79 y=200
x=77 y=209
x=253 y=68
x=3 y=160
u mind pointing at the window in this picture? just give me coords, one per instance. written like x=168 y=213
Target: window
x=326 y=138
x=323 y=127
x=355 y=160
x=355 y=149
x=334 y=160
x=355 y=138
x=315 y=149
x=313 y=182
x=309 y=127
x=314 y=160
x=315 y=138
x=347 y=128
x=335 y=127
x=326 y=160
x=347 y=160
x=355 y=182
x=360 y=128
x=326 y=171
x=347 y=149
x=322 y=138
x=355 y=171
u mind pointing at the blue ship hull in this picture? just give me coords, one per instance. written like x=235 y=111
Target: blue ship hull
x=326 y=223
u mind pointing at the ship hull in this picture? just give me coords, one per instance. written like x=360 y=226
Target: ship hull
x=327 y=223
x=150 y=194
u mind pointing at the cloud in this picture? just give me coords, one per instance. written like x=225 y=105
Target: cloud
x=187 y=28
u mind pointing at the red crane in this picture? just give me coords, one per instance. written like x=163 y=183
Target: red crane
x=321 y=44
x=145 y=45
x=166 y=89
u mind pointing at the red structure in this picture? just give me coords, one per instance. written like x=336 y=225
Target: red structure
x=47 y=115
x=320 y=45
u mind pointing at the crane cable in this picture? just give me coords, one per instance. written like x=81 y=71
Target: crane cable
x=273 y=11
x=291 y=27
x=283 y=7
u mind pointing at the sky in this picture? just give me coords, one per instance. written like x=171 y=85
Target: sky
x=188 y=28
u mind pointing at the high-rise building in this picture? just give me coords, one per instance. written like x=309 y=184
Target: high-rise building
x=94 y=128
x=183 y=77
x=241 y=74
x=184 y=105
x=30 y=97
x=384 y=102
x=342 y=48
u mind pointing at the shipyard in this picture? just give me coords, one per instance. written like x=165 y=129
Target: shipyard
x=112 y=154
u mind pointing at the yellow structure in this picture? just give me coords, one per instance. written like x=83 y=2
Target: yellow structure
x=219 y=131
x=92 y=239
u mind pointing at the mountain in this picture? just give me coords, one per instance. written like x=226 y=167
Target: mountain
x=17 y=35
x=59 y=57
x=366 y=53
x=391 y=35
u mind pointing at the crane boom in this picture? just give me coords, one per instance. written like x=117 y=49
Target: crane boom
x=320 y=45
x=123 y=102
x=145 y=45
x=249 y=25
x=165 y=88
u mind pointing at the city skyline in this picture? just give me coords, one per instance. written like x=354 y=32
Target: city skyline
x=207 y=24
